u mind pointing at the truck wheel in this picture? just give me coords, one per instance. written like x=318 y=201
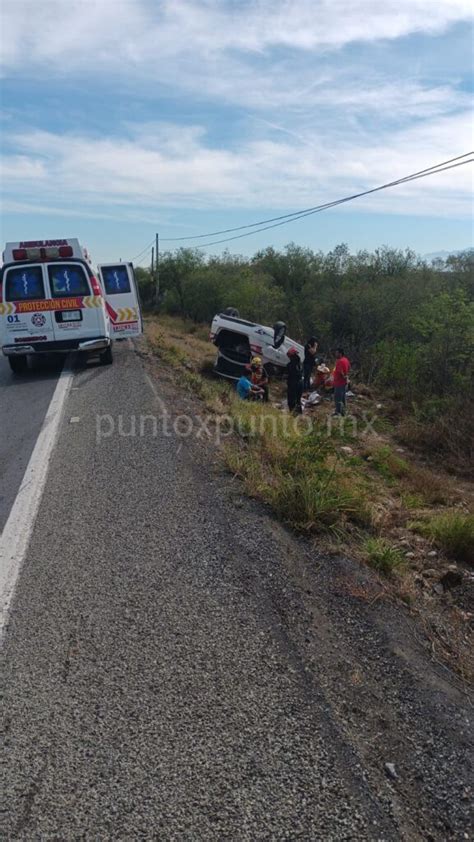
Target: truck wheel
x=106 y=357
x=19 y=365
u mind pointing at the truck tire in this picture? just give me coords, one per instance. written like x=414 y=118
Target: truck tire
x=106 y=357
x=19 y=365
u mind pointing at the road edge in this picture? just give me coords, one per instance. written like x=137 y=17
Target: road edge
x=16 y=534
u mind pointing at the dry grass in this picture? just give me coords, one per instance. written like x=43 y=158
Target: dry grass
x=449 y=438
x=432 y=489
x=369 y=591
x=424 y=485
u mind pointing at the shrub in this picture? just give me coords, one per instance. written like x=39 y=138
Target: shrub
x=382 y=556
x=453 y=531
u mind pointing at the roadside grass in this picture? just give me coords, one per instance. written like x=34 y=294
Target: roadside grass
x=296 y=470
x=300 y=472
x=453 y=531
x=189 y=343
x=411 y=501
x=414 y=482
x=433 y=489
x=213 y=393
x=303 y=472
x=388 y=464
x=382 y=556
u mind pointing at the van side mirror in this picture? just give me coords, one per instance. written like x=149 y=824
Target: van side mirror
x=279 y=331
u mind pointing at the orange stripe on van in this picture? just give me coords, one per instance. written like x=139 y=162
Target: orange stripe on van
x=49 y=304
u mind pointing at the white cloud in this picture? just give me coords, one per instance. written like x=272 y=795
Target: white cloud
x=231 y=53
x=167 y=167
x=314 y=123
x=263 y=55
x=65 y=32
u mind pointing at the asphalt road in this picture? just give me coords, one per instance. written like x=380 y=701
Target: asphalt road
x=23 y=405
x=154 y=689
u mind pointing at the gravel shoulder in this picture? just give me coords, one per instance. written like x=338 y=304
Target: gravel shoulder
x=179 y=666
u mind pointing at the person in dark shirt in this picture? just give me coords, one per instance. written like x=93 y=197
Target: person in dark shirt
x=294 y=379
x=341 y=379
x=310 y=351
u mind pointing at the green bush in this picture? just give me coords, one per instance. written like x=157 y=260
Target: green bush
x=453 y=531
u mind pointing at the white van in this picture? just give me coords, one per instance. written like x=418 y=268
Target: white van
x=51 y=300
x=238 y=340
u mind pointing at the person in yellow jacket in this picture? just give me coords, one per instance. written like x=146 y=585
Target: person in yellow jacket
x=259 y=376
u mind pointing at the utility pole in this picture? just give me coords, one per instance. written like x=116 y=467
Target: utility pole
x=157 y=269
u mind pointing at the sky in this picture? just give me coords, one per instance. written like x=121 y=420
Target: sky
x=122 y=118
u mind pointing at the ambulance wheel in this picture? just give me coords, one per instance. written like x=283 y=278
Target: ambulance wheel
x=18 y=364
x=106 y=357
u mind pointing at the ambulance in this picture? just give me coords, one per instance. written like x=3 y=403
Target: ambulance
x=53 y=300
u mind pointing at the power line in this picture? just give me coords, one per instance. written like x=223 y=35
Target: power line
x=305 y=211
x=142 y=251
x=321 y=208
x=277 y=221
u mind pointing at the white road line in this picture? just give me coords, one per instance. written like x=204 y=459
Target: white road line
x=163 y=410
x=19 y=526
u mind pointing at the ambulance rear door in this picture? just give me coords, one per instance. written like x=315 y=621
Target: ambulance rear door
x=24 y=313
x=121 y=299
x=76 y=301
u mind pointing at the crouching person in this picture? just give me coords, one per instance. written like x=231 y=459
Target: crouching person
x=246 y=390
x=259 y=376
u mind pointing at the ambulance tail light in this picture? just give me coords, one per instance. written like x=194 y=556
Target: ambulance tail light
x=95 y=286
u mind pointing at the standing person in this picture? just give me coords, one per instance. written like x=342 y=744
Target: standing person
x=295 y=382
x=310 y=350
x=341 y=379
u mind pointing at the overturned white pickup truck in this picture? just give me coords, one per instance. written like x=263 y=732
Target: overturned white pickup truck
x=238 y=341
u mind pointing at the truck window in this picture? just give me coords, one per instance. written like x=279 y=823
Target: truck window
x=24 y=283
x=116 y=279
x=67 y=279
